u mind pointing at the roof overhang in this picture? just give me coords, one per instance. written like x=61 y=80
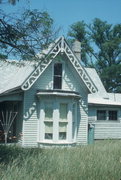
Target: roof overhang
x=102 y=102
x=58 y=93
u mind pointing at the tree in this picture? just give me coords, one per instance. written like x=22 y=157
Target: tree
x=101 y=48
x=24 y=37
x=13 y=2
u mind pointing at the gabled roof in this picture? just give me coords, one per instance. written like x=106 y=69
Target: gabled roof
x=60 y=46
x=13 y=74
x=102 y=97
x=96 y=79
x=112 y=100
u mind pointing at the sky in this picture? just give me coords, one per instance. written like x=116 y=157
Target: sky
x=67 y=12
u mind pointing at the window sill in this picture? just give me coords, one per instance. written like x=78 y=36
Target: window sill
x=48 y=120
x=105 y=121
x=56 y=143
x=65 y=121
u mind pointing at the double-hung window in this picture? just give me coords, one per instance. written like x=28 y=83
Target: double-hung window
x=107 y=115
x=48 y=122
x=57 y=123
x=101 y=115
x=112 y=115
x=63 y=121
x=57 y=79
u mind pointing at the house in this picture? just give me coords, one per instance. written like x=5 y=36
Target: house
x=104 y=111
x=55 y=100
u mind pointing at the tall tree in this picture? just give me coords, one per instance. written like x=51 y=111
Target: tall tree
x=101 y=45
x=13 y=2
x=24 y=37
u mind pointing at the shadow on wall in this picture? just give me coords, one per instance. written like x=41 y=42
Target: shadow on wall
x=30 y=111
x=85 y=108
x=69 y=82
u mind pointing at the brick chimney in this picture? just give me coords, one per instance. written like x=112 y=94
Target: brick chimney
x=76 y=47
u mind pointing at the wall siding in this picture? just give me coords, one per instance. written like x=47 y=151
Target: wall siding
x=32 y=108
x=105 y=129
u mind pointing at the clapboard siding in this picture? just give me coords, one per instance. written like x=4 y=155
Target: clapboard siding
x=105 y=129
x=108 y=131
x=83 y=120
x=32 y=105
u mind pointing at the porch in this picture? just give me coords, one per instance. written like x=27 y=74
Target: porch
x=10 y=121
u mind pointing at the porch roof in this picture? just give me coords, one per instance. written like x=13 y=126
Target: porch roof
x=12 y=74
x=113 y=99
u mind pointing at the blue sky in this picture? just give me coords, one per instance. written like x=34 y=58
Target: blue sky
x=66 y=12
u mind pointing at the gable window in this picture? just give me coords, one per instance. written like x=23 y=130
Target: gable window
x=107 y=115
x=57 y=79
x=101 y=115
x=112 y=115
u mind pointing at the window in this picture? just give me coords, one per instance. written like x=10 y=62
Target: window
x=57 y=121
x=101 y=115
x=48 y=121
x=57 y=84
x=109 y=115
x=112 y=115
x=48 y=130
x=62 y=130
x=48 y=111
x=63 y=121
x=73 y=120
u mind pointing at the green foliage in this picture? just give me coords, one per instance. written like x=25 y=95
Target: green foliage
x=24 y=37
x=78 y=31
x=13 y=2
x=111 y=77
x=100 y=161
x=101 y=48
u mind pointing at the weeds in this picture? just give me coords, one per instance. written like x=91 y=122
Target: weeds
x=101 y=161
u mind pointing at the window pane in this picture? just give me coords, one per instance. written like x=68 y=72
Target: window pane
x=62 y=135
x=63 y=111
x=62 y=127
x=48 y=130
x=62 y=130
x=112 y=115
x=48 y=136
x=58 y=69
x=57 y=79
x=101 y=115
x=57 y=82
x=48 y=127
x=48 y=111
x=74 y=120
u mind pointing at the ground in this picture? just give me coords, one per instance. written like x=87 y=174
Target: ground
x=100 y=161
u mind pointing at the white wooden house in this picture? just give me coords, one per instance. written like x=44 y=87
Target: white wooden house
x=56 y=99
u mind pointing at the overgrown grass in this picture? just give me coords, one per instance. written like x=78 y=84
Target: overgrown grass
x=101 y=161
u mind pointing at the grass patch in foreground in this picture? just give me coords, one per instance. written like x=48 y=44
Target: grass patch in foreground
x=101 y=161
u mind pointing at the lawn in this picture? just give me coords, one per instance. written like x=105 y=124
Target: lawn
x=101 y=161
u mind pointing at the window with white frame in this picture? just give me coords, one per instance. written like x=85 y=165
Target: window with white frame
x=73 y=120
x=48 y=121
x=109 y=115
x=63 y=110
x=57 y=79
x=57 y=119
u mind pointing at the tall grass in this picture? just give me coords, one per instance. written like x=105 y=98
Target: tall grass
x=101 y=161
